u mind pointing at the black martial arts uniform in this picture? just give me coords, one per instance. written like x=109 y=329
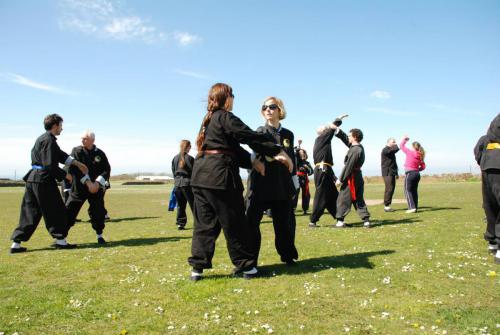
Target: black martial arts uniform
x=42 y=196
x=183 y=192
x=218 y=190
x=352 y=183
x=100 y=171
x=304 y=170
x=487 y=153
x=274 y=191
x=324 y=177
x=389 y=172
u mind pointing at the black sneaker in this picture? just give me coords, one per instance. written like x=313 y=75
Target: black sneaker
x=17 y=250
x=290 y=262
x=179 y=227
x=65 y=246
x=101 y=240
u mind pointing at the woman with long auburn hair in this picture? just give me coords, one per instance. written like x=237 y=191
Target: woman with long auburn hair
x=414 y=163
x=217 y=185
x=182 y=168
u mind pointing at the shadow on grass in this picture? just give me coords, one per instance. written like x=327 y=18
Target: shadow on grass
x=311 y=265
x=393 y=222
x=432 y=209
x=133 y=242
x=132 y=218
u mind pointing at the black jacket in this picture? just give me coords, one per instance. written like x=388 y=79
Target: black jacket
x=354 y=159
x=47 y=155
x=322 y=150
x=388 y=161
x=277 y=183
x=182 y=175
x=490 y=158
x=225 y=132
x=98 y=166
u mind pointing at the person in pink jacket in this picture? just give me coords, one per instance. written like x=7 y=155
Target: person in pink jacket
x=414 y=163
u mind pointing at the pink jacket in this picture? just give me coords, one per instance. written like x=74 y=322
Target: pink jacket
x=413 y=160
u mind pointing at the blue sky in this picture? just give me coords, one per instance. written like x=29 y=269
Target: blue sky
x=138 y=72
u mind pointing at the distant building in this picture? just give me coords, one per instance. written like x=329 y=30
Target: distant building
x=163 y=178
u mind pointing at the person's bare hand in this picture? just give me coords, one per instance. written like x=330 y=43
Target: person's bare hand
x=69 y=178
x=283 y=158
x=259 y=166
x=82 y=167
x=92 y=186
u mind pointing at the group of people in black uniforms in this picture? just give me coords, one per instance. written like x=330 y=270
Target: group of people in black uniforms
x=87 y=170
x=211 y=184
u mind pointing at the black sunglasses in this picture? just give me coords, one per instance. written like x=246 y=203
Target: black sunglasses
x=271 y=107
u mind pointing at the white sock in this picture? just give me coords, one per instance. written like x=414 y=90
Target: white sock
x=387 y=207
x=340 y=224
x=16 y=245
x=61 y=241
x=99 y=235
x=196 y=274
x=251 y=271
x=492 y=246
x=367 y=223
x=497 y=254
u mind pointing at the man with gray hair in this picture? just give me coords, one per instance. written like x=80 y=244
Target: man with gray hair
x=81 y=190
x=389 y=171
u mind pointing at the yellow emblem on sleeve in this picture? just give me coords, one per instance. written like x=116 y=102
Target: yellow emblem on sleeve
x=286 y=142
x=492 y=146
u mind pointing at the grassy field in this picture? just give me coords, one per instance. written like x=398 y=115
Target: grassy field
x=424 y=273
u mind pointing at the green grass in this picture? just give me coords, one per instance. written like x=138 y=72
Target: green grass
x=411 y=274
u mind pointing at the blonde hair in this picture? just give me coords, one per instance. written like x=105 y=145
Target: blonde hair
x=280 y=104
x=419 y=149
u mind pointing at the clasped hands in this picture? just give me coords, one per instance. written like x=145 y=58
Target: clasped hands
x=281 y=157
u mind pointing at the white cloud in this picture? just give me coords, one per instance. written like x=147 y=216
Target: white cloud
x=106 y=19
x=379 y=94
x=191 y=74
x=185 y=39
x=20 y=80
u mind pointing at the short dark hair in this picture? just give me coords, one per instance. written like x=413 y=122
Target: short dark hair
x=51 y=120
x=357 y=134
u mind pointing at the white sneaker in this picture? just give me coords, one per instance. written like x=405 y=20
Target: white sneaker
x=252 y=273
x=497 y=257
x=388 y=209
x=340 y=224
x=492 y=248
x=367 y=224
x=413 y=210
x=313 y=225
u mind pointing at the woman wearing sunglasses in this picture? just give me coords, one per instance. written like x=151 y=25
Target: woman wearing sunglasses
x=217 y=186
x=275 y=189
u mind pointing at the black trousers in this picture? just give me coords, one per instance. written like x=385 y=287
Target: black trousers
x=345 y=200
x=412 y=178
x=326 y=194
x=491 y=205
x=184 y=195
x=306 y=194
x=41 y=200
x=283 y=223
x=96 y=210
x=390 y=186
x=215 y=210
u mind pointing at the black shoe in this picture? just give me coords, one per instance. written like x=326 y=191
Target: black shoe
x=290 y=262
x=179 y=227
x=17 y=250
x=65 y=246
x=101 y=240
